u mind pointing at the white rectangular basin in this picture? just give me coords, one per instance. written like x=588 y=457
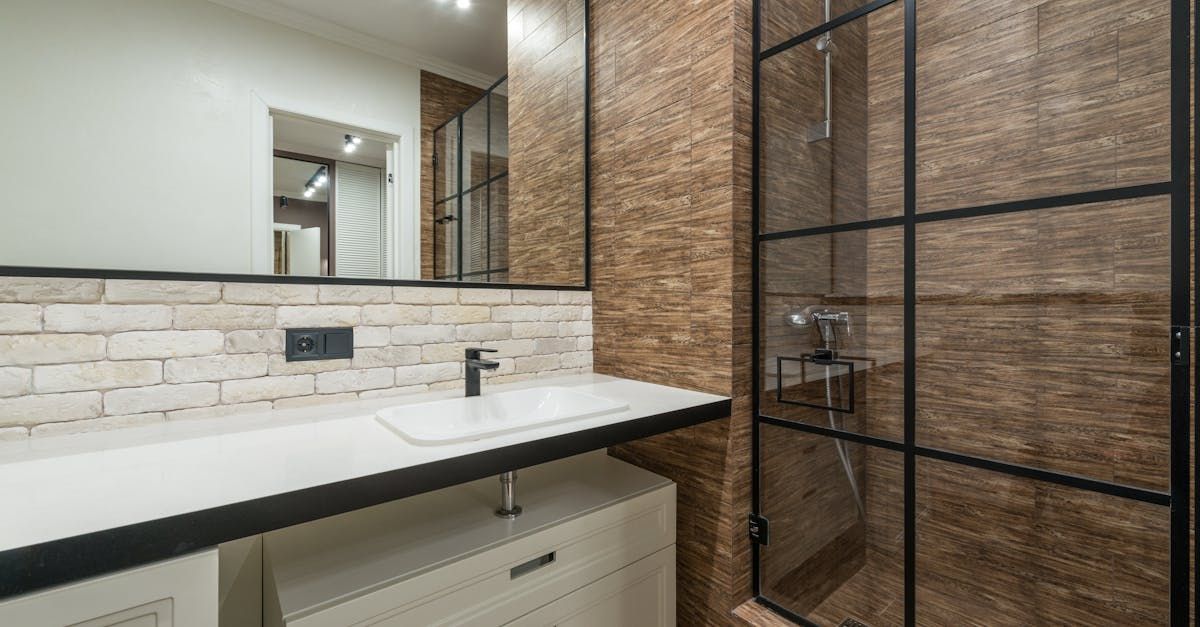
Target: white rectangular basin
x=463 y=419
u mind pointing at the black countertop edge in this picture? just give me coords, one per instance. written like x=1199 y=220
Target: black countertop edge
x=39 y=566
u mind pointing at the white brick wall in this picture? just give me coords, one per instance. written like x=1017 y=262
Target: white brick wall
x=82 y=355
x=20 y=318
x=106 y=318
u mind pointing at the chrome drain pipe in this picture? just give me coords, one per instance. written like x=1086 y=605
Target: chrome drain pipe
x=508 y=496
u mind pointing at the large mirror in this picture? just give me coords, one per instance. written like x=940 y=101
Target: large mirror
x=415 y=140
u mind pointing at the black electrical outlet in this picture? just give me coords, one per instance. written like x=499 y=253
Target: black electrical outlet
x=313 y=344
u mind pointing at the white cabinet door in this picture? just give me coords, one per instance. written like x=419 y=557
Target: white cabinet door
x=181 y=592
x=639 y=595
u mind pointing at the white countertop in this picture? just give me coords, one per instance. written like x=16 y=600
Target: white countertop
x=58 y=487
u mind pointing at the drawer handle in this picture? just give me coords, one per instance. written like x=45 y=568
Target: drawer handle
x=531 y=565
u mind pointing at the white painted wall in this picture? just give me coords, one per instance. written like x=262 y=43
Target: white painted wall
x=126 y=126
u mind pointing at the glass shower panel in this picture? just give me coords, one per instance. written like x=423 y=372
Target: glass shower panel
x=1042 y=339
x=445 y=146
x=498 y=130
x=1016 y=101
x=832 y=332
x=498 y=224
x=814 y=174
x=837 y=526
x=475 y=144
x=1000 y=550
x=445 y=240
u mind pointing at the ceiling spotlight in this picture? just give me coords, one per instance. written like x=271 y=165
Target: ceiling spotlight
x=318 y=179
x=463 y=4
x=352 y=142
x=308 y=192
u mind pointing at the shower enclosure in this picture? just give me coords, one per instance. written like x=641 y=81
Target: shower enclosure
x=470 y=191
x=972 y=312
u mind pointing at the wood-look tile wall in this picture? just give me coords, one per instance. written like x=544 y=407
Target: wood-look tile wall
x=1041 y=336
x=547 y=224
x=441 y=98
x=1037 y=98
x=671 y=245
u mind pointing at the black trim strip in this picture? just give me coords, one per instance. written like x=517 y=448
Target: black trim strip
x=1152 y=497
x=1050 y=202
x=483 y=272
x=833 y=228
x=587 y=143
x=841 y=434
x=474 y=188
x=62 y=561
x=755 y=304
x=1180 y=308
x=91 y=273
x=1196 y=335
x=1132 y=192
x=824 y=28
x=458 y=224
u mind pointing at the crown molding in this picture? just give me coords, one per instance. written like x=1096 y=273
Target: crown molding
x=279 y=14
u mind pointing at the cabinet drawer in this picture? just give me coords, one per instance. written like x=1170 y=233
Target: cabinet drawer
x=181 y=592
x=445 y=558
x=502 y=584
x=639 y=595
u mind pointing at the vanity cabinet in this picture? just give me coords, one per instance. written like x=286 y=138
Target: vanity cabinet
x=639 y=595
x=181 y=592
x=594 y=546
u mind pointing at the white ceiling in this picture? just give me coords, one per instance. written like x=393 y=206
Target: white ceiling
x=320 y=139
x=465 y=44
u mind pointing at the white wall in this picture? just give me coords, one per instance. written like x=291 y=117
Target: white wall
x=125 y=126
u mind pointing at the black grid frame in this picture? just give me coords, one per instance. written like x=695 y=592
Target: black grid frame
x=458 y=194
x=1176 y=499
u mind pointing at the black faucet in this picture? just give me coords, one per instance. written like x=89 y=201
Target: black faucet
x=474 y=365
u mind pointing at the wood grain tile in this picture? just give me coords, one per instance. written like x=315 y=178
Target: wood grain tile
x=546 y=218
x=670 y=233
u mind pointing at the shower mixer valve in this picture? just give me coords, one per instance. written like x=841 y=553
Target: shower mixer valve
x=830 y=325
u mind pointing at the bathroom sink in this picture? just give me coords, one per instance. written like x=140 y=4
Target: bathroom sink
x=472 y=418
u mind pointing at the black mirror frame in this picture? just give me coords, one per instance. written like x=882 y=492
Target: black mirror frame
x=155 y=275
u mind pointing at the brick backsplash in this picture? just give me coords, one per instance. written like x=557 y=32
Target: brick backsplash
x=91 y=354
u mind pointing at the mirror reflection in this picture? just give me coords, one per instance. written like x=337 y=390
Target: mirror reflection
x=432 y=139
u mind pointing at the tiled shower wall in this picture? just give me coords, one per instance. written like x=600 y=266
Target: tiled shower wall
x=671 y=272
x=89 y=354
